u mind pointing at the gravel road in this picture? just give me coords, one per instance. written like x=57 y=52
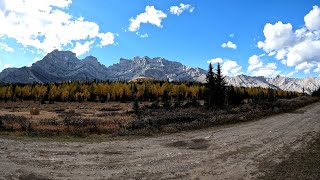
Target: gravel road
x=236 y=151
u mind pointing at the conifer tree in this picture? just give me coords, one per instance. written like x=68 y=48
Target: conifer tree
x=220 y=88
x=210 y=87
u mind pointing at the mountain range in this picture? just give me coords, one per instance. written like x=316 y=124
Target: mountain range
x=59 y=66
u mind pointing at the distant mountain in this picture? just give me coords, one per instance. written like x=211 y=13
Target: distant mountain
x=157 y=68
x=249 y=81
x=59 y=66
x=309 y=84
x=56 y=66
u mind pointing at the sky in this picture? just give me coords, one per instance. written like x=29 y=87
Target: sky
x=252 y=37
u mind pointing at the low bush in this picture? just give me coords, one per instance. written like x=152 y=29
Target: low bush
x=69 y=113
x=13 y=123
x=51 y=122
x=34 y=111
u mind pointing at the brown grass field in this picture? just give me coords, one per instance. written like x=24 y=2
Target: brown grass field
x=117 y=118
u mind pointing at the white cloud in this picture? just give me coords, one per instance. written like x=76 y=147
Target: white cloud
x=254 y=63
x=106 y=39
x=291 y=73
x=81 y=49
x=151 y=15
x=281 y=54
x=5 y=47
x=229 y=44
x=42 y=24
x=312 y=19
x=299 y=48
x=231 y=35
x=306 y=51
x=272 y=53
x=178 y=10
x=228 y=67
x=215 y=60
x=269 y=70
x=231 y=68
x=278 y=36
x=144 y=35
x=258 y=68
x=306 y=67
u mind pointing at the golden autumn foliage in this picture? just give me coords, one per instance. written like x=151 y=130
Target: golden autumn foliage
x=122 y=91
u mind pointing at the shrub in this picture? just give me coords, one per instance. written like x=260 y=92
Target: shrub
x=34 y=111
x=12 y=122
x=70 y=113
x=155 y=105
x=52 y=122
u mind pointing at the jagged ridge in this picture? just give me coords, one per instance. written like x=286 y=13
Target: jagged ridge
x=59 y=66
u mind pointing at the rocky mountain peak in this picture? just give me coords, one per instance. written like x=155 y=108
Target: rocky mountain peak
x=60 y=66
x=91 y=59
x=61 y=55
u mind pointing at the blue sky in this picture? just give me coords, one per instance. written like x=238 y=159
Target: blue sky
x=253 y=37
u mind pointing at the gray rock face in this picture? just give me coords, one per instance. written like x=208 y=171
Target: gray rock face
x=309 y=84
x=60 y=66
x=158 y=68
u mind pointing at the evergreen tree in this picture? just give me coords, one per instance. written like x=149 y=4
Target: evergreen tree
x=136 y=107
x=210 y=87
x=220 y=88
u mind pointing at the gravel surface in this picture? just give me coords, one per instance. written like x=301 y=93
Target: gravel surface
x=225 y=152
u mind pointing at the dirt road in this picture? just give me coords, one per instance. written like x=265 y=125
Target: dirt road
x=225 y=152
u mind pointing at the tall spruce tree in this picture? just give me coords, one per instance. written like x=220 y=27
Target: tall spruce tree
x=220 y=88
x=210 y=87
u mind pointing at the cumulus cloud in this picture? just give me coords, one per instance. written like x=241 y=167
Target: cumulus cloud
x=151 y=16
x=81 y=49
x=317 y=69
x=215 y=60
x=231 y=68
x=228 y=67
x=305 y=66
x=254 y=63
x=306 y=51
x=5 y=47
x=44 y=25
x=106 y=39
x=312 y=19
x=299 y=48
x=277 y=36
x=258 y=68
x=281 y=54
x=230 y=45
x=178 y=10
x=269 y=70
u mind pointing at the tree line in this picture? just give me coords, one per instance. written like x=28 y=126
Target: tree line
x=218 y=95
x=214 y=91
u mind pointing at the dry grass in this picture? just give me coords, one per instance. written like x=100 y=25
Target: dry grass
x=119 y=119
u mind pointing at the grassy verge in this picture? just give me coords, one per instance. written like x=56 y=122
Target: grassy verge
x=302 y=164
